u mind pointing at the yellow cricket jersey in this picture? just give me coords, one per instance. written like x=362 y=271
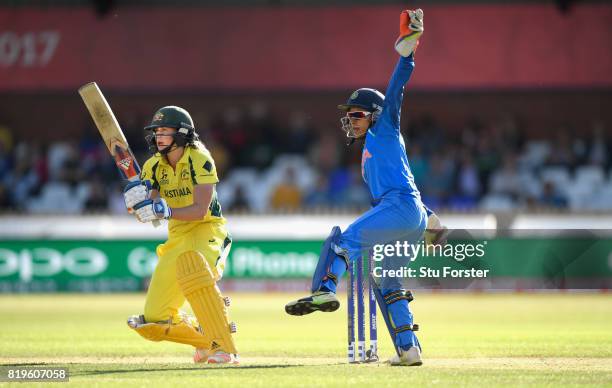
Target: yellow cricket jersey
x=195 y=167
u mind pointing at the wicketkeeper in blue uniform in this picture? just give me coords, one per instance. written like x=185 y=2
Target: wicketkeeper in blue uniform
x=398 y=214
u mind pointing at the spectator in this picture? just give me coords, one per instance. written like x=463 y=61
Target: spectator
x=439 y=182
x=6 y=148
x=507 y=180
x=598 y=148
x=116 y=202
x=563 y=154
x=300 y=134
x=487 y=156
x=456 y=169
x=418 y=164
x=240 y=202
x=356 y=195
x=287 y=194
x=97 y=198
x=319 y=194
x=22 y=182
x=5 y=199
x=551 y=198
x=339 y=183
x=468 y=180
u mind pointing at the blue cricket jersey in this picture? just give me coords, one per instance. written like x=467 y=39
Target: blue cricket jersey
x=384 y=163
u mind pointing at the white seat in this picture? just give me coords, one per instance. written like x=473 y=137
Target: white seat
x=532 y=186
x=602 y=199
x=226 y=191
x=242 y=176
x=258 y=197
x=57 y=155
x=83 y=191
x=578 y=196
x=497 y=202
x=55 y=198
x=535 y=153
x=589 y=175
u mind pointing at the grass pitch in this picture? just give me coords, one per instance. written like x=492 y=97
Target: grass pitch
x=468 y=340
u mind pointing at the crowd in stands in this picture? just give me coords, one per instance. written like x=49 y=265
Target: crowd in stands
x=294 y=165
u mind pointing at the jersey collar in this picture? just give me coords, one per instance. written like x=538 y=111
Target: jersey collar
x=183 y=160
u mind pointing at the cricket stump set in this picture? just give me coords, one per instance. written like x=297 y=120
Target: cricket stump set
x=359 y=280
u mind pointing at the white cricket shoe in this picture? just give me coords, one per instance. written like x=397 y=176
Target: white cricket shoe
x=219 y=357
x=410 y=357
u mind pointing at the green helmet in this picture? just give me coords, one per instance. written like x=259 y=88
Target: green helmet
x=174 y=117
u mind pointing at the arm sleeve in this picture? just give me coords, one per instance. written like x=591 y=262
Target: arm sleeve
x=390 y=116
x=203 y=170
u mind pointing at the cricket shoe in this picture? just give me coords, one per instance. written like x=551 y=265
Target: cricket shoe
x=221 y=357
x=319 y=301
x=200 y=356
x=410 y=357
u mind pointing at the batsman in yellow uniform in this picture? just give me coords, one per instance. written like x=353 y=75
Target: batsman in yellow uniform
x=178 y=184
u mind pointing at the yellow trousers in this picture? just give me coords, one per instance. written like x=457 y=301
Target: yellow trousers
x=164 y=297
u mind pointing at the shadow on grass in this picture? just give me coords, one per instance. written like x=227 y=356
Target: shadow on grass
x=29 y=364
x=193 y=368
x=161 y=368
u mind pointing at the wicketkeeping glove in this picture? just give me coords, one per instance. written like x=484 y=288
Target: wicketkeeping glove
x=411 y=29
x=152 y=210
x=136 y=192
x=435 y=233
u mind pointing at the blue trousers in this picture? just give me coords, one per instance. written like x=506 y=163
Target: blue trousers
x=393 y=219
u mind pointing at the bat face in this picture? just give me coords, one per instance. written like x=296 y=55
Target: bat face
x=125 y=161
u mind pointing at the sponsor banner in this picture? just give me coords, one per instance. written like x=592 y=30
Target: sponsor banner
x=85 y=265
x=120 y=265
x=305 y=48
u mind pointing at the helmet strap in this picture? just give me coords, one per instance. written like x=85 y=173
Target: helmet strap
x=171 y=147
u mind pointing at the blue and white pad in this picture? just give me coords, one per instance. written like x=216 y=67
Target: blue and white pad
x=398 y=318
x=333 y=262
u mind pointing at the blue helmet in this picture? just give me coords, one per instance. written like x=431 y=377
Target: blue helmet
x=369 y=99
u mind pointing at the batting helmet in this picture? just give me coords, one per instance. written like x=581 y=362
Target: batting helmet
x=174 y=117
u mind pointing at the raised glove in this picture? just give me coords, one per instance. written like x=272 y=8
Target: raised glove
x=136 y=192
x=152 y=210
x=411 y=29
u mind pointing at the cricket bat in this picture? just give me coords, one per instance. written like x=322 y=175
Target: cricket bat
x=111 y=132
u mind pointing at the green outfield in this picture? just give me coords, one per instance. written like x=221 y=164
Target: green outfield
x=468 y=340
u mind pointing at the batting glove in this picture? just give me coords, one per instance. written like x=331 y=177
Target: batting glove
x=152 y=210
x=411 y=29
x=136 y=192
